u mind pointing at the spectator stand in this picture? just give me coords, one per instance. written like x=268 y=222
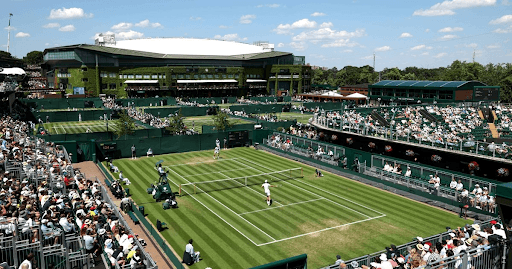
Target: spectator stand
x=489 y=256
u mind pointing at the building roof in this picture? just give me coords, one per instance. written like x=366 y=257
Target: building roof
x=186 y=81
x=12 y=71
x=178 y=53
x=140 y=81
x=426 y=84
x=189 y=46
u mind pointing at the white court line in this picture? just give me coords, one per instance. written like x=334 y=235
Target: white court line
x=193 y=175
x=274 y=207
x=319 y=231
x=327 y=191
x=201 y=162
x=62 y=127
x=228 y=209
x=55 y=129
x=215 y=213
x=259 y=193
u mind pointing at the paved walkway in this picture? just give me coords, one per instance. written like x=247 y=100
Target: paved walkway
x=90 y=169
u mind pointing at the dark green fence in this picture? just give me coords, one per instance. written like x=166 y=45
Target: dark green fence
x=208 y=100
x=62 y=116
x=62 y=103
x=257 y=109
x=151 y=101
x=296 y=262
x=271 y=98
x=186 y=111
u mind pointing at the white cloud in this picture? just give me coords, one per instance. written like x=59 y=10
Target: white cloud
x=384 y=48
x=503 y=30
x=440 y=55
x=425 y=53
x=427 y=30
x=280 y=45
x=284 y=29
x=318 y=14
x=232 y=37
x=269 y=5
x=472 y=45
x=47 y=44
x=68 y=13
x=418 y=47
x=503 y=19
x=145 y=23
x=369 y=57
x=448 y=37
x=347 y=51
x=495 y=46
x=21 y=34
x=129 y=35
x=246 y=19
x=339 y=43
x=326 y=25
x=98 y=34
x=122 y=26
x=195 y=18
x=404 y=35
x=326 y=34
x=450 y=29
x=51 y=25
x=446 y=7
x=223 y=27
x=67 y=28
x=299 y=46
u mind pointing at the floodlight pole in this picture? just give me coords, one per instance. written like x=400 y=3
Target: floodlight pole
x=9 y=32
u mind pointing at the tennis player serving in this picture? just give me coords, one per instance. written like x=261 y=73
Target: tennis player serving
x=266 y=187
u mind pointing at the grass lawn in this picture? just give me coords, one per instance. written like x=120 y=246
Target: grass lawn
x=234 y=228
x=197 y=122
x=65 y=109
x=302 y=118
x=75 y=127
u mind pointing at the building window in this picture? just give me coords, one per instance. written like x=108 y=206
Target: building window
x=237 y=76
x=180 y=76
x=131 y=76
x=217 y=76
x=230 y=76
x=156 y=76
x=138 y=76
x=51 y=85
x=146 y=76
x=164 y=76
x=187 y=76
x=224 y=76
x=103 y=75
x=112 y=75
x=85 y=80
x=112 y=86
x=210 y=76
x=196 y=76
x=120 y=76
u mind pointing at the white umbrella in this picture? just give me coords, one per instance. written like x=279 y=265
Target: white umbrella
x=332 y=93
x=356 y=95
x=13 y=71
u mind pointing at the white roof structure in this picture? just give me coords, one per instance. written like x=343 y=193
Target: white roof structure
x=256 y=80
x=356 y=95
x=140 y=81
x=186 y=81
x=331 y=93
x=13 y=71
x=190 y=46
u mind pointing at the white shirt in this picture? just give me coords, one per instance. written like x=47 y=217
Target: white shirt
x=408 y=173
x=89 y=242
x=26 y=262
x=189 y=249
x=453 y=184
x=266 y=186
x=460 y=186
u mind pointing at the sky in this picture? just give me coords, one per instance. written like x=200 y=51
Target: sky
x=337 y=33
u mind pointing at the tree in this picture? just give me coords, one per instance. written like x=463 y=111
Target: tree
x=221 y=121
x=125 y=125
x=33 y=57
x=176 y=124
x=5 y=54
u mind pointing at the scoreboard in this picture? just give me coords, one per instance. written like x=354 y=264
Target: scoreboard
x=486 y=94
x=238 y=138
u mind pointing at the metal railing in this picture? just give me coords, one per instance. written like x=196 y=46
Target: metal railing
x=503 y=151
x=403 y=250
x=150 y=263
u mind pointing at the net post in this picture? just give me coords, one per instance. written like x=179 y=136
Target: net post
x=180 y=190
x=301 y=172
x=246 y=181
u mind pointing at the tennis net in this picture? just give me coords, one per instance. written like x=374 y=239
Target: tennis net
x=238 y=182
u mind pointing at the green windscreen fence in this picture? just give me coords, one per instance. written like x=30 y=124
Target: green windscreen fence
x=186 y=111
x=152 y=101
x=63 y=103
x=272 y=98
x=257 y=109
x=296 y=262
x=61 y=116
x=213 y=100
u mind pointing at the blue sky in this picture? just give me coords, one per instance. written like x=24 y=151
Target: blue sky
x=337 y=33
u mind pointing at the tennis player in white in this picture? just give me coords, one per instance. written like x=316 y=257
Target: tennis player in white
x=216 y=153
x=266 y=187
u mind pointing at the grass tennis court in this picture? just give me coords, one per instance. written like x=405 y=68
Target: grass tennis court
x=234 y=228
x=71 y=109
x=197 y=122
x=302 y=118
x=75 y=127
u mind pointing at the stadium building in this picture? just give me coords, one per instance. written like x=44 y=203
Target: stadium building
x=175 y=66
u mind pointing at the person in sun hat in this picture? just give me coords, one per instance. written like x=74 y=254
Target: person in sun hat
x=338 y=260
x=384 y=263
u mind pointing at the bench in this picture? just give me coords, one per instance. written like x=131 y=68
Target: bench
x=133 y=217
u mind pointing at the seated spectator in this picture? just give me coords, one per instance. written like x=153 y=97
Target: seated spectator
x=453 y=184
x=150 y=152
x=477 y=189
x=318 y=173
x=459 y=186
x=408 y=172
x=190 y=256
x=338 y=260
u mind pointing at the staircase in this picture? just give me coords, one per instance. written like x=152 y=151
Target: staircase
x=493 y=130
x=382 y=121
x=428 y=116
x=481 y=114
